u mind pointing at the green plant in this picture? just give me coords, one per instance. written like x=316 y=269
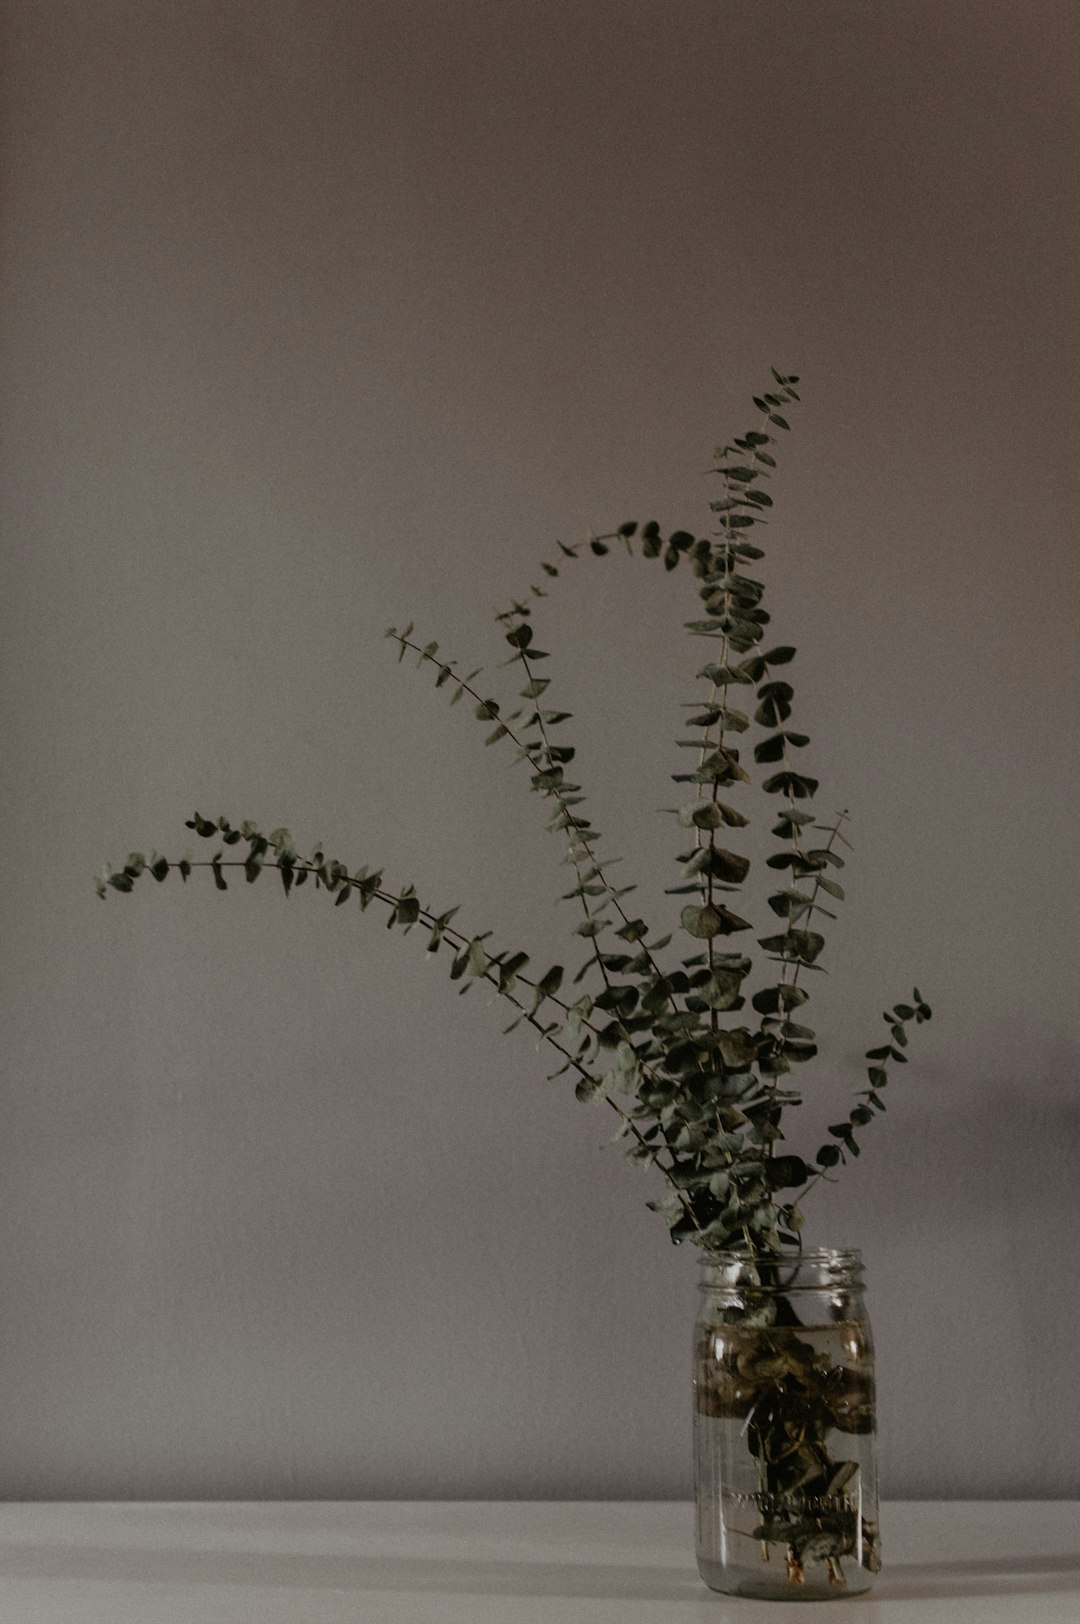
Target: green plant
x=699 y=1095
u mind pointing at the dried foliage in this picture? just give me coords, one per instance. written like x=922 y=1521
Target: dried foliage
x=700 y=1084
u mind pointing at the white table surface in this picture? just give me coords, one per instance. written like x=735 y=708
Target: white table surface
x=471 y=1562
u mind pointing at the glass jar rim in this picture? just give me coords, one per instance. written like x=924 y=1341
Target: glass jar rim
x=820 y=1255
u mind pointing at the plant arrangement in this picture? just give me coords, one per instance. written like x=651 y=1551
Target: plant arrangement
x=701 y=1078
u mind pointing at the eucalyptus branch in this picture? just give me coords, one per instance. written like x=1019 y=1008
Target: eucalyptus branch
x=589 y=869
x=578 y=841
x=897 y=1020
x=546 y=761
x=821 y=880
x=473 y=958
x=705 y=826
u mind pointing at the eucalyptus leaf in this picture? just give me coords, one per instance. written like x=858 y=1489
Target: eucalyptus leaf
x=775 y=703
x=790 y=783
x=711 y=920
x=794 y=945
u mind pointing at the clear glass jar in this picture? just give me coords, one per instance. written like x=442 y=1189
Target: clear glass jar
x=785 y=1465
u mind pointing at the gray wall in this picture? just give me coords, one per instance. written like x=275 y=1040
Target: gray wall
x=319 y=316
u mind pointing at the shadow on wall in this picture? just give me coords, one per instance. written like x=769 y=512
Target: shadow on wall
x=973 y=1274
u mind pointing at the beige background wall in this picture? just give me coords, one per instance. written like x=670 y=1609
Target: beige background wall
x=318 y=316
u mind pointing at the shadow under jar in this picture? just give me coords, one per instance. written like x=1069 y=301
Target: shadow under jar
x=785 y=1464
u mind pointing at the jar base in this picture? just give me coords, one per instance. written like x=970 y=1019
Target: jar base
x=755 y=1586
